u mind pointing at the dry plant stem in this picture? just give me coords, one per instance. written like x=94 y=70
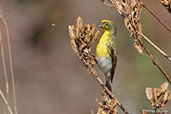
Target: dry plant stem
x=166 y=4
x=6 y=102
x=81 y=36
x=109 y=92
x=146 y=50
x=113 y=7
x=10 y=60
x=158 y=98
x=155 y=62
x=156 y=47
x=160 y=21
x=4 y=67
x=146 y=38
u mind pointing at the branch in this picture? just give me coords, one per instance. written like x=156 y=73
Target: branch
x=155 y=62
x=156 y=47
x=4 y=67
x=158 y=97
x=159 y=20
x=166 y=4
x=81 y=36
x=109 y=93
x=6 y=102
x=10 y=59
x=132 y=11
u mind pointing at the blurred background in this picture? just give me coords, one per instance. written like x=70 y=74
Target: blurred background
x=50 y=78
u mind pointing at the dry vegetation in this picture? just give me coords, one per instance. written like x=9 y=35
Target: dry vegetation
x=158 y=98
x=6 y=37
x=81 y=35
x=108 y=106
x=167 y=4
x=130 y=10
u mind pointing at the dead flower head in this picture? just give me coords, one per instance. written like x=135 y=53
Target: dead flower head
x=167 y=4
x=159 y=96
x=109 y=106
x=132 y=23
x=130 y=10
x=81 y=36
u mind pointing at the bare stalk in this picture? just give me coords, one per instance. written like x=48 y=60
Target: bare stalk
x=81 y=36
x=159 y=20
x=112 y=95
x=4 y=67
x=6 y=102
x=10 y=61
x=156 y=47
x=133 y=29
x=155 y=62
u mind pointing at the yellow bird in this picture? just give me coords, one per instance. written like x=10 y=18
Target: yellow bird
x=106 y=55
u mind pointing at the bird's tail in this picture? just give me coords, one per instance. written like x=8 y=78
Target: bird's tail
x=108 y=83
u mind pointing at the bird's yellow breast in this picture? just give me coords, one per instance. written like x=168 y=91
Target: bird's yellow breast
x=103 y=45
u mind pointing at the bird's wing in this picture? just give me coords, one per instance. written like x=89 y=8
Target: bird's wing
x=114 y=62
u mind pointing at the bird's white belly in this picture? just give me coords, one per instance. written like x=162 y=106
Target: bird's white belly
x=105 y=64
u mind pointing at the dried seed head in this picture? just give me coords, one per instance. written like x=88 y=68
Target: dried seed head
x=128 y=24
x=167 y=4
x=164 y=86
x=96 y=36
x=159 y=96
x=131 y=11
x=74 y=46
x=71 y=31
x=77 y=32
x=149 y=93
x=120 y=7
x=93 y=29
x=138 y=47
x=108 y=106
x=143 y=111
x=136 y=10
x=79 y=22
x=81 y=35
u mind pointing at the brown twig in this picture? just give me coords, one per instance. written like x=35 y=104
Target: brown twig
x=166 y=4
x=155 y=62
x=81 y=36
x=4 y=67
x=159 y=20
x=10 y=59
x=159 y=97
x=107 y=106
x=156 y=47
x=108 y=91
x=112 y=95
x=136 y=28
x=146 y=38
x=6 y=102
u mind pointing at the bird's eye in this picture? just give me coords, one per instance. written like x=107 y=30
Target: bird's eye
x=106 y=24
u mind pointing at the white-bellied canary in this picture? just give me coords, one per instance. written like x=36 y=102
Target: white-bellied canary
x=106 y=55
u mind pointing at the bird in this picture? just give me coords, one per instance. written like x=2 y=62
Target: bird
x=106 y=52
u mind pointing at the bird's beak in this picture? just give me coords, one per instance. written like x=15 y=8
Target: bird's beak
x=100 y=25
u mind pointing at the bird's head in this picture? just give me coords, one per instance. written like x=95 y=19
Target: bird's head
x=106 y=25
